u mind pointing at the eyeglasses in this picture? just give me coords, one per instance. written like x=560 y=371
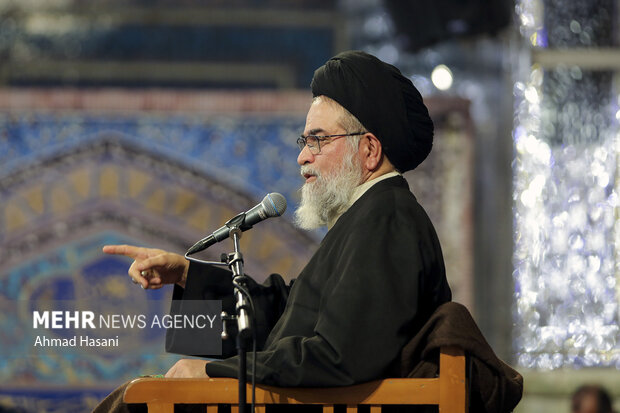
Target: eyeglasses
x=314 y=141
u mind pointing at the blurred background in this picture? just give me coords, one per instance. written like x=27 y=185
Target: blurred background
x=154 y=122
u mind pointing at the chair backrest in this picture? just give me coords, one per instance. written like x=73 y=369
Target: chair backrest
x=448 y=391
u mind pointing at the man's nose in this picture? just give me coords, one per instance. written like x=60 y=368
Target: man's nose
x=305 y=156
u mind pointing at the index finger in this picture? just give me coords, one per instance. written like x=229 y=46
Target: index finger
x=127 y=250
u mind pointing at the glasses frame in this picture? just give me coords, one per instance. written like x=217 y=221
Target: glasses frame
x=302 y=141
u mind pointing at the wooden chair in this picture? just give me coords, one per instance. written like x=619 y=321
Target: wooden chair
x=448 y=391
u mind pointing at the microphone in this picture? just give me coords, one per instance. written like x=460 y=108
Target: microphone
x=272 y=205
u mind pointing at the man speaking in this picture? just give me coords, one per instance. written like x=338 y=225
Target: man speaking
x=377 y=275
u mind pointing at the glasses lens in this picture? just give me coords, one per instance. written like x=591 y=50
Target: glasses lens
x=301 y=142
x=313 y=144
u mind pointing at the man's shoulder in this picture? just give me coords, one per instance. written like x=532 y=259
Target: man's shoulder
x=389 y=194
x=388 y=201
x=388 y=205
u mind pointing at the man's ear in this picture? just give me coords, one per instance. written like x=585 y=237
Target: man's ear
x=371 y=151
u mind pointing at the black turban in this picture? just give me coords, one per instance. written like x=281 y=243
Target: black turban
x=383 y=100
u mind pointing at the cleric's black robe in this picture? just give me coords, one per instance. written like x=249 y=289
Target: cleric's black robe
x=375 y=279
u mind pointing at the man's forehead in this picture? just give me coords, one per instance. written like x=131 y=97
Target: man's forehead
x=322 y=117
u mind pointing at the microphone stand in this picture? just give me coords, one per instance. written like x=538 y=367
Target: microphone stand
x=235 y=263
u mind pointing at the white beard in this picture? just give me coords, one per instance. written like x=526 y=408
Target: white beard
x=328 y=196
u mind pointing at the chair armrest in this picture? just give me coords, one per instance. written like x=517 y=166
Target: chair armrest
x=226 y=391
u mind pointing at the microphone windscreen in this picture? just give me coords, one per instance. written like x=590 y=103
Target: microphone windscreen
x=274 y=204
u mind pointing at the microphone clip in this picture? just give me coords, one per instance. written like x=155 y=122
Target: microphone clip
x=238 y=223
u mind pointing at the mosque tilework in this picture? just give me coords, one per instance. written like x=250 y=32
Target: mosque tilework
x=73 y=181
x=229 y=147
